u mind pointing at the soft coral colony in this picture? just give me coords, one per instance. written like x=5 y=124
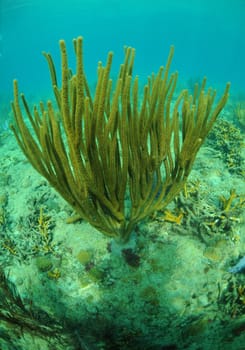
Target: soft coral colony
x=113 y=157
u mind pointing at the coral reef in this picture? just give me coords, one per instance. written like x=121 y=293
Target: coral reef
x=226 y=138
x=239 y=114
x=113 y=159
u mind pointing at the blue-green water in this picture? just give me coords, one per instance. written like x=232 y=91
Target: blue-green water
x=208 y=37
x=178 y=283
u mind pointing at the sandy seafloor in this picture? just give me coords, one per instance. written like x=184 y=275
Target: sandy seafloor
x=70 y=287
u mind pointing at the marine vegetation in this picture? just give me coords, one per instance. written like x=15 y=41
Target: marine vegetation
x=215 y=221
x=232 y=298
x=115 y=158
x=239 y=114
x=33 y=233
x=228 y=140
x=22 y=319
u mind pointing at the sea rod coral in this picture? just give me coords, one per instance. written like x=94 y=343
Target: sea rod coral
x=115 y=158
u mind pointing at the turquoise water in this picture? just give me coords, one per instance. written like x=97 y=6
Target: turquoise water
x=208 y=37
